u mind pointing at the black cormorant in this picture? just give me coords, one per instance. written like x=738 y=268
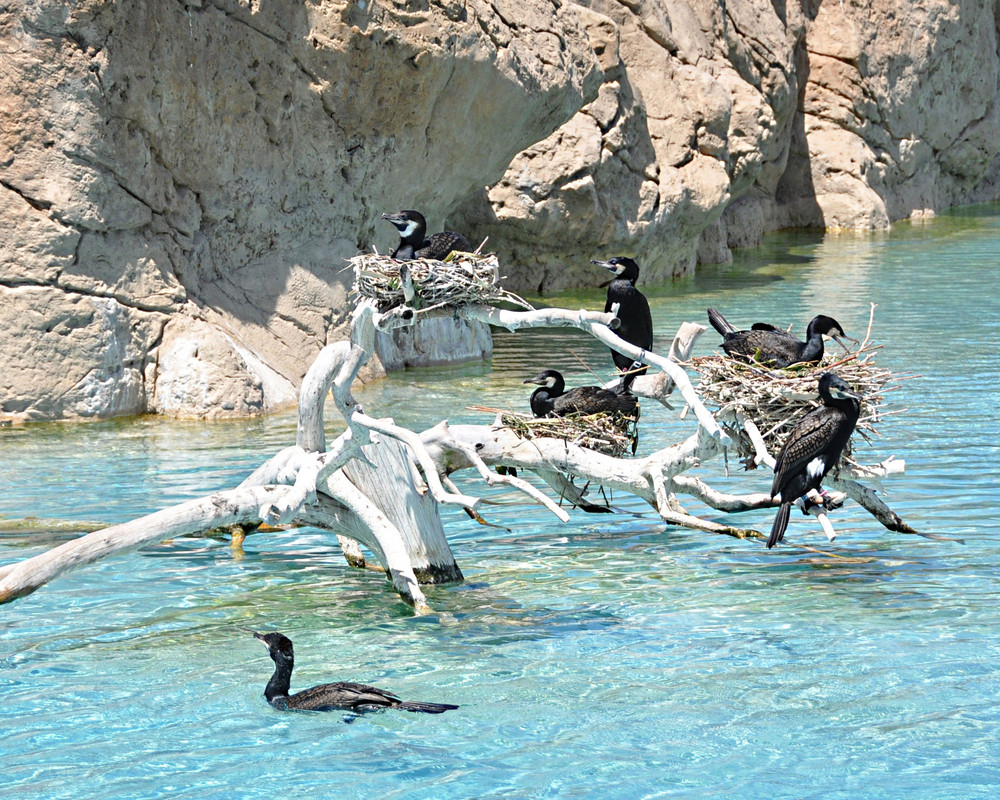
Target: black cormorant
x=550 y=398
x=813 y=447
x=633 y=314
x=328 y=696
x=771 y=345
x=414 y=242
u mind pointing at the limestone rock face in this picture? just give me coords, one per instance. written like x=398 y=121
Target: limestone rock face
x=181 y=182
x=717 y=122
x=695 y=110
x=900 y=115
x=211 y=164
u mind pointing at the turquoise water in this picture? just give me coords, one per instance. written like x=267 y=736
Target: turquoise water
x=610 y=657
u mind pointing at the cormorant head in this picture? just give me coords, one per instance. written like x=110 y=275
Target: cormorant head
x=828 y=326
x=833 y=387
x=278 y=646
x=548 y=378
x=407 y=223
x=620 y=267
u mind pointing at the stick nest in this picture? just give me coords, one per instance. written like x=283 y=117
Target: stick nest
x=426 y=283
x=610 y=434
x=776 y=399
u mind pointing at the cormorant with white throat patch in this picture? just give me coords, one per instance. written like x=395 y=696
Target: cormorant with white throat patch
x=771 y=345
x=633 y=313
x=414 y=242
x=356 y=697
x=813 y=447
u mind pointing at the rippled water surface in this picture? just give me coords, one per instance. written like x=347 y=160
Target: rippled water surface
x=610 y=657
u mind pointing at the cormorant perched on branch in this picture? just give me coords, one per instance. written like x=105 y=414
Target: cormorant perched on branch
x=412 y=229
x=550 y=398
x=770 y=345
x=328 y=696
x=633 y=314
x=813 y=447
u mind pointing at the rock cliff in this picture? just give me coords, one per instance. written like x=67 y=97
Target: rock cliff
x=719 y=121
x=181 y=180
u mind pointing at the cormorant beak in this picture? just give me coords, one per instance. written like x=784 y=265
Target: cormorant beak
x=538 y=380
x=845 y=394
x=616 y=269
x=839 y=337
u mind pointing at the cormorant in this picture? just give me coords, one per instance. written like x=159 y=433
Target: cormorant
x=813 y=447
x=412 y=229
x=551 y=399
x=633 y=314
x=328 y=696
x=771 y=345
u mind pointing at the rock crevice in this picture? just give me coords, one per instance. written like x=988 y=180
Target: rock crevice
x=192 y=176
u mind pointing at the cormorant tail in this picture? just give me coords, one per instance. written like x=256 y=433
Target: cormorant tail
x=780 y=523
x=719 y=322
x=427 y=708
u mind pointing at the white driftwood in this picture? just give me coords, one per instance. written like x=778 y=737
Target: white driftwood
x=598 y=327
x=403 y=498
x=365 y=522
x=381 y=485
x=224 y=508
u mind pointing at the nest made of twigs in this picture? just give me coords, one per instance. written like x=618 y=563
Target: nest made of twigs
x=776 y=399
x=426 y=283
x=611 y=434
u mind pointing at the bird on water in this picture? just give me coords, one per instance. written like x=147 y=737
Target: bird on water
x=813 y=447
x=633 y=313
x=340 y=696
x=552 y=399
x=769 y=344
x=414 y=242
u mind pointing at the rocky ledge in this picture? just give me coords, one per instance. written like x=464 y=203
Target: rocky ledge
x=181 y=181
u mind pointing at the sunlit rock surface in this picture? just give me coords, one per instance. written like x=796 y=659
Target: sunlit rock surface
x=181 y=182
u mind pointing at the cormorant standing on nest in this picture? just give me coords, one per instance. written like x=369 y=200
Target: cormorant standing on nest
x=328 y=696
x=770 y=345
x=813 y=447
x=633 y=314
x=552 y=399
x=412 y=229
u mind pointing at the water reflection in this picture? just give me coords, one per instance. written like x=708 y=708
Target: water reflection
x=609 y=657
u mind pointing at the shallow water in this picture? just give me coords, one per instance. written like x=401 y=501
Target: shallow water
x=610 y=657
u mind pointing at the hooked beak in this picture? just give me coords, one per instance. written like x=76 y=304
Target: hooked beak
x=538 y=380
x=613 y=268
x=845 y=394
x=839 y=339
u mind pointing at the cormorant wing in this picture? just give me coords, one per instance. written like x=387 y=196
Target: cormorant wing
x=341 y=695
x=808 y=439
x=439 y=245
x=644 y=321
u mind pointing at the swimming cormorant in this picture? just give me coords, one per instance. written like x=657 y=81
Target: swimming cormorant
x=771 y=345
x=551 y=399
x=412 y=229
x=633 y=314
x=328 y=696
x=813 y=447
